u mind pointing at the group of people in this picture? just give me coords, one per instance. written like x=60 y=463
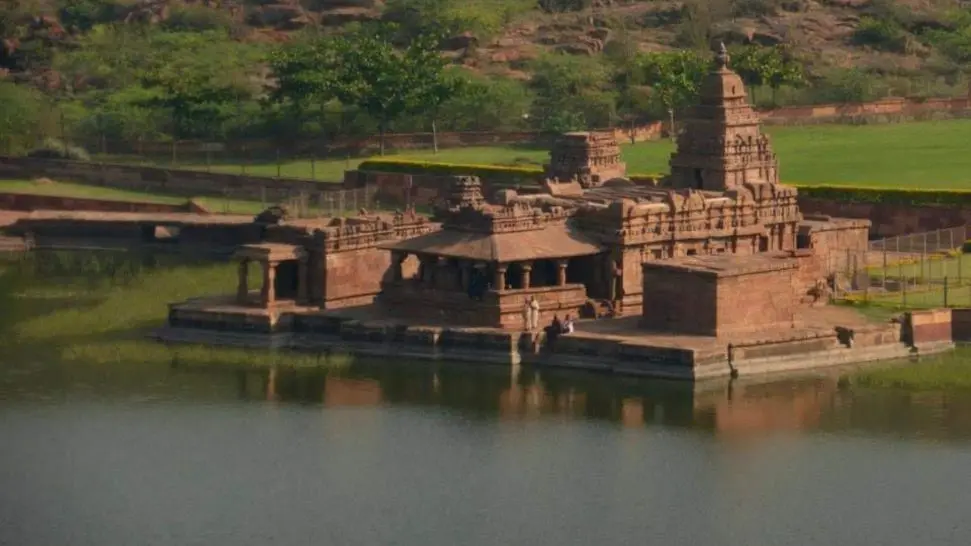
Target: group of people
x=556 y=328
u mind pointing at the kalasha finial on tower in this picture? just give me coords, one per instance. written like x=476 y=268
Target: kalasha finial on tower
x=722 y=57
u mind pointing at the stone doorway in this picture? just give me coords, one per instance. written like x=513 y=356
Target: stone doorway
x=287 y=281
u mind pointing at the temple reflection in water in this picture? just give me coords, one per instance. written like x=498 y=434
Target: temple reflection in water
x=731 y=409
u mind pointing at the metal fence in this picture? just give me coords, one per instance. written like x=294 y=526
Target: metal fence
x=302 y=204
x=914 y=271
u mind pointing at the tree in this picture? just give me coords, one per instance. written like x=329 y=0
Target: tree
x=302 y=70
x=774 y=66
x=484 y=103
x=129 y=79
x=572 y=93
x=674 y=77
x=387 y=83
x=24 y=117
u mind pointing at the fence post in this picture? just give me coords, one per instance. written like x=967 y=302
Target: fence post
x=945 y=291
x=175 y=148
x=313 y=168
x=903 y=293
x=242 y=160
x=278 y=163
x=884 y=266
x=208 y=160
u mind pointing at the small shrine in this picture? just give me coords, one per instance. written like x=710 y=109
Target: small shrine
x=589 y=158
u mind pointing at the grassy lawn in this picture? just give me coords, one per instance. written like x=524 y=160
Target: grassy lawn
x=931 y=154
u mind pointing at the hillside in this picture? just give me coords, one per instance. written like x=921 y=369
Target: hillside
x=845 y=50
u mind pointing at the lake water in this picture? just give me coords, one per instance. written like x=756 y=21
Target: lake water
x=146 y=453
x=415 y=454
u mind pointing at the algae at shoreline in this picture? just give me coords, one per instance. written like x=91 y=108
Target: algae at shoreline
x=99 y=307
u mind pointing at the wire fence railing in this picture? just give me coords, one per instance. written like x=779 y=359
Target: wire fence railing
x=299 y=204
x=912 y=271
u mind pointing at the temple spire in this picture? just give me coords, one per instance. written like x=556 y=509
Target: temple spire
x=722 y=57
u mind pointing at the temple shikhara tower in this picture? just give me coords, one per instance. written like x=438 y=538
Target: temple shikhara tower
x=722 y=146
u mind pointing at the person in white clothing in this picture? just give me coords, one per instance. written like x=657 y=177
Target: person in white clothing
x=533 y=313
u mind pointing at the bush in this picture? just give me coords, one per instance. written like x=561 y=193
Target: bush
x=887 y=195
x=193 y=18
x=882 y=34
x=55 y=149
x=493 y=173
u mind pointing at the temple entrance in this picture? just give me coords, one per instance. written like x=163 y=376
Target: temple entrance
x=588 y=271
x=699 y=179
x=287 y=278
x=763 y=244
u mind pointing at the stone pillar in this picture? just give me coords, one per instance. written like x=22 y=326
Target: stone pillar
x=302 y=281
x=561 y=266
x=527 y=269
x=268 y=292
x=397 y=259
x=500 y=280
x=242 y=289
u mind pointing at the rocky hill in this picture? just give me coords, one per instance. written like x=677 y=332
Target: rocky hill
x=885 y=37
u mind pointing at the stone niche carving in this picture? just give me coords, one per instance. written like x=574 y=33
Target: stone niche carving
x=589 y=158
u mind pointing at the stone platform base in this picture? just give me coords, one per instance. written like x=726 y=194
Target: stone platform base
x=817 y=340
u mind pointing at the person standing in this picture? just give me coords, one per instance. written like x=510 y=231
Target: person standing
x=527 y=315
x=533 y=313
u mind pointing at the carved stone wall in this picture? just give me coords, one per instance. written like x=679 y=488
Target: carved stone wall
x=721 y=146
x=589 y=158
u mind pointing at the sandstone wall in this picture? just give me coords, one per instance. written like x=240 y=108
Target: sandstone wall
x=675 y=301
x=887 y=107
x=354 y=277
x=750 y=301
x=889 y=219
x=929 y=326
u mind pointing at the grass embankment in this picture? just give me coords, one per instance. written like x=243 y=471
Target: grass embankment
x=927 y=154
x=64 y=189
x=949 y=371
x=94 y=308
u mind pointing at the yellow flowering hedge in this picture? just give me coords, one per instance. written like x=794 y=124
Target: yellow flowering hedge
x=530 y=174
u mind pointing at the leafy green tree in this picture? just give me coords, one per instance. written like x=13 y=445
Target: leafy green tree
x=485 y=103
x=774 y=67
x=132 y=79
x=388 y=83
x=674 y=77
x=571 y=93
x=25 y=118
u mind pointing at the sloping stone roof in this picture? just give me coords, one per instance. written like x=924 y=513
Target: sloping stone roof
x=553 y=241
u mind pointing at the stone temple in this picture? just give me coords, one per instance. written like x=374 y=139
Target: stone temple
x=665 y=275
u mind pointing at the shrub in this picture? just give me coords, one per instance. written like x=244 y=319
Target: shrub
x=55 y=149
x=494 y=173
x=882 y=34
x=888 y=195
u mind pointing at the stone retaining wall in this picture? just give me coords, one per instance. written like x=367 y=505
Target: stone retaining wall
x=890 y=219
